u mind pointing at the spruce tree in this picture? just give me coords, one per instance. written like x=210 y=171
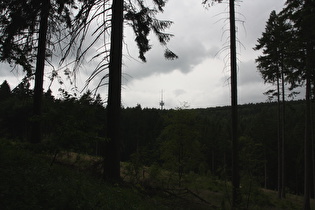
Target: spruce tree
x=273 y=67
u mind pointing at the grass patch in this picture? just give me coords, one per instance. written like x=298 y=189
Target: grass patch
x=28 y=182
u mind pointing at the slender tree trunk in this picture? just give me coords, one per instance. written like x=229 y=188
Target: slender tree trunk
x=265 y=168
x=279 y=141
x=283 y=136
x=236 y=197
x=307 y=145
x=36 y=129
x=308 y=133
x=112 y=147
x=180 y=163
x=312 y=141
x=212 y=165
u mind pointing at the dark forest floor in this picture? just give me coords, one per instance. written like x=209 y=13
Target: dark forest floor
x=29 y=180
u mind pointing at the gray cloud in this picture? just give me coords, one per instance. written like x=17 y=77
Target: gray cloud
x=190 y=53
x=199 y=35
x=179 y=92
x=248 y=73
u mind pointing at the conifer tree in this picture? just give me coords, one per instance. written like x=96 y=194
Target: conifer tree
x=5 y=91
x=143 y=20
x=302 y=14
x=236 y=194
x=273 y=66
x=26 y=29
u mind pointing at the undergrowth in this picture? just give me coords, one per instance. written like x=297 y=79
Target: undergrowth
x=29 y=182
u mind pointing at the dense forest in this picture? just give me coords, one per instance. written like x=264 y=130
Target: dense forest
x=181 y=140
x=266 y=145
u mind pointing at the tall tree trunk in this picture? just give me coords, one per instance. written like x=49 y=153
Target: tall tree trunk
x=283 y=135
x=308 y=133
x=279 y=141
x=236 y=197
x=312 y=140
x=36 y=129
x=307 y=144
x=112 y=147
x=265 y=168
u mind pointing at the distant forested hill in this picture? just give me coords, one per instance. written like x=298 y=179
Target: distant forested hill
x=187 y=139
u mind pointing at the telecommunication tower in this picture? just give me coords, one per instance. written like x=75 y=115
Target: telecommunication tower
x=162 y=102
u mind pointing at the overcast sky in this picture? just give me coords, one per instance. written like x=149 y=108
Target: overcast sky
x=200 y=76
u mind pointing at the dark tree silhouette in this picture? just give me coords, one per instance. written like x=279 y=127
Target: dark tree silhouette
x=5 y=90
x=272 y=65
x=24 y=30
x=236 y=194
x=17 y=27
x=39 y=72
x=307 y=32
x=301 y=14
x=142 y=20
x=112 y=147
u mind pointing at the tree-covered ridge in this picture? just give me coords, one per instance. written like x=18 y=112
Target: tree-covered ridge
x=182 y=140
x=66 y=118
